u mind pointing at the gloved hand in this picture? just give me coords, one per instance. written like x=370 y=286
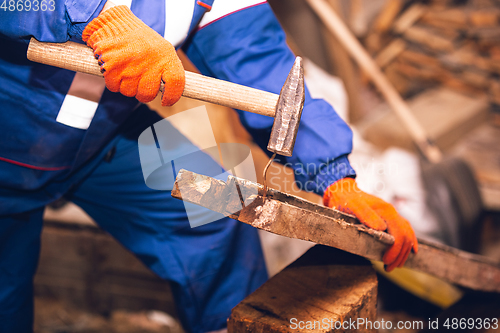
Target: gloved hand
x=133 y=57
x=375 y=213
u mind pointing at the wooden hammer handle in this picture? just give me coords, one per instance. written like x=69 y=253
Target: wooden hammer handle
x=80 y=58
x=338 y=28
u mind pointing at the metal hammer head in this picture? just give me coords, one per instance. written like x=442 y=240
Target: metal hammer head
x=288 y=112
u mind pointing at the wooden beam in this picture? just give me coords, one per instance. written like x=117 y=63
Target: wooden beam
x=345 y=69
x=408 y=18
x=429 y=38
x=390 y=52
x=387 y=16
x=290 y=216
x=321 y=290
x=383 y=24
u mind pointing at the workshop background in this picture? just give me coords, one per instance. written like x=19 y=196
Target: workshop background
x=443 y=57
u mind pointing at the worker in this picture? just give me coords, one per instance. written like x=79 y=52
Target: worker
x=55 y=143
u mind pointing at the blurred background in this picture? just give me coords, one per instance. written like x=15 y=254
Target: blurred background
x=442 y=56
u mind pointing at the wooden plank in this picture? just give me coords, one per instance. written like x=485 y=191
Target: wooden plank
x=486 y=36
x=466 y=56
x=419 y=58
x=390 y=52
x=293 y=217
x=439 y=25
x=459 y=84
x=357 y=19
x=412 y=72
x=382 y=24
x=428 y=38
x=386 y=17
x=483 y=3
x=409 y=17
x=323 y=288
x=487 y=17
x=454 y=18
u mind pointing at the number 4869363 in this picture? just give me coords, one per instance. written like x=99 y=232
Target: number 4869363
x=28 y=5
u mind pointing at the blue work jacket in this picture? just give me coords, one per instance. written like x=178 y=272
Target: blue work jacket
x=235 y=40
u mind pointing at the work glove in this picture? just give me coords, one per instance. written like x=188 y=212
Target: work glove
x=375 y=213
x=134 y=58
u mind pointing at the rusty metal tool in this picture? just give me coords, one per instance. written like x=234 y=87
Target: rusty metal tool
x=286 y=108
x=288 y=113
x=293 y=217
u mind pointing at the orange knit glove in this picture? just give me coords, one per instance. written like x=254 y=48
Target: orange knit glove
x=375 y=213
x=133 y=57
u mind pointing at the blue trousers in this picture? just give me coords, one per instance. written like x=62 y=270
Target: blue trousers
x=211 y=268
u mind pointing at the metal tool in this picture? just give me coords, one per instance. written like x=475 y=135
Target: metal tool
x=286 y=108
x=288 y=113
x=290 y=216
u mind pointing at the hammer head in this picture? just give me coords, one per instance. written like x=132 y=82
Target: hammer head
x=288 y=112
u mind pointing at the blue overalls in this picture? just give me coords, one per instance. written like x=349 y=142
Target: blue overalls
x=212 y=267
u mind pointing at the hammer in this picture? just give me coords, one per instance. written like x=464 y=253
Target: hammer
x=286 y=108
